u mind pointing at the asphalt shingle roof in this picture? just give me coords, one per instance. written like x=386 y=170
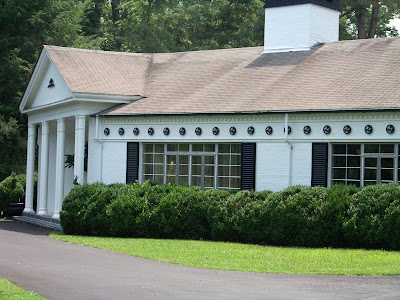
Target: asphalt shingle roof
x=346 y=75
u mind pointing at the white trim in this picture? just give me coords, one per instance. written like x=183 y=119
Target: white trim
x=32 y=81
x=354 y=116
x=30 y=168
x=60 y=169
x=44 y=168
x=79 y=155
x=40 y=107
x=105 y=97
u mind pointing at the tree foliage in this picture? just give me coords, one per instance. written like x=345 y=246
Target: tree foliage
x=364 y=19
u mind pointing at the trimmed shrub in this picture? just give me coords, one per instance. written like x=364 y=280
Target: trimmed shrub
x=84 y=208
x=340 y=216
x=12 y=190
x=372 y=217
x=132 y=212
x=391 y=225
x=233 y=216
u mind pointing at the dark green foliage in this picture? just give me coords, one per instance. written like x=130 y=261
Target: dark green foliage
x=12 y=148
x=12 y=190
x=339 y=216
x=372 y=217
x=84 y=208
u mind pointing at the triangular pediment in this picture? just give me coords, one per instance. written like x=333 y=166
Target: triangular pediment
x=46 y=86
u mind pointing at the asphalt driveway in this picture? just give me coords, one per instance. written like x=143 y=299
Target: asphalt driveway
x=58 y=270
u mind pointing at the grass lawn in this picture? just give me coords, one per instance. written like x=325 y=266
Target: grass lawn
x=250 y=258
x=11 y=291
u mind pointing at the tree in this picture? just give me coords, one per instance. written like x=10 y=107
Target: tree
x=172 y=25
x=368 y=18
x=12 y=148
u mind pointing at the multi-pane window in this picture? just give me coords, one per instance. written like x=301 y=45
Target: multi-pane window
x=204 y=165
x=364 y=164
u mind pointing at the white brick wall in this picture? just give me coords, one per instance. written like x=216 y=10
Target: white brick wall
x=301 y=163
x=114 y=162
x=272 y=166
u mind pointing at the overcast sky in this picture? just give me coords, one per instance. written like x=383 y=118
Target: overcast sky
x=396 y=23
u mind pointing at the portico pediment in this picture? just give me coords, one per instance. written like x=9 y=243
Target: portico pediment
x=46 y=86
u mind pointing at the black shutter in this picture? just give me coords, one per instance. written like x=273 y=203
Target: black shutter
x=248 y=173
x=319 y=164
x=132 y=163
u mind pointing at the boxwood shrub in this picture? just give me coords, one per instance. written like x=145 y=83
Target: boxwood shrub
x=340 y=216
x=12 y=190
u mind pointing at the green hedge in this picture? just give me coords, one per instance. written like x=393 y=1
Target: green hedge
x=339 y=216
x=12 y=190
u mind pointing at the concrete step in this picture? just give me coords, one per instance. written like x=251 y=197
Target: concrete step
x=45 y=222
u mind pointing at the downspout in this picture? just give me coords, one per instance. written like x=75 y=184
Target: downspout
x=101 y=148
x=290 y=149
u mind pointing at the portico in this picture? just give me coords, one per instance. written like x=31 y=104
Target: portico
x=54 y=179
x=58 y=110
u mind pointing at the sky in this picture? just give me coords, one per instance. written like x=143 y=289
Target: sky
x=396 y=23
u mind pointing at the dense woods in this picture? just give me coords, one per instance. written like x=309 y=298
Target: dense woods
x=137 y=26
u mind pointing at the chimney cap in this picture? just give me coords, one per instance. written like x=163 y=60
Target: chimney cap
x=333 y=4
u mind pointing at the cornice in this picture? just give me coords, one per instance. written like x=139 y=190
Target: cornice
x=343 y=116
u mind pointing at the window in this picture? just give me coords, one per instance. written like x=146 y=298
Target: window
x=207 y=166
x=365 y=164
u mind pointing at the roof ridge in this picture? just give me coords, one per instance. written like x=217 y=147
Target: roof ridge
x=61 y=48
x=70 y=49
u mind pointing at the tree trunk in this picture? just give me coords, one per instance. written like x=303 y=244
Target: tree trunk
x=374 y=19
x=360 y=15
x=115 y=4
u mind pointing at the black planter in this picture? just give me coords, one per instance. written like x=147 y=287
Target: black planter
x=16 y=209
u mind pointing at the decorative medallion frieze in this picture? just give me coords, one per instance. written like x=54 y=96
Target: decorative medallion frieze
x=390 y=129
x=307 y=129
x=347 y=129
x=327 y=129
x=215 y=131
x=198 y=131
x=368 y=129
x=250 y=130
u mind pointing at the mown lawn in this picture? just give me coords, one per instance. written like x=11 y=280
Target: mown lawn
x=11 y=291
x=250 y=258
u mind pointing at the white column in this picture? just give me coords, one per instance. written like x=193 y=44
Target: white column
x=79 y=157
x=60 y=168
x=44 y=168
x=30 y=169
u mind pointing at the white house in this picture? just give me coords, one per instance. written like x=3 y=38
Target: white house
x=304 y=109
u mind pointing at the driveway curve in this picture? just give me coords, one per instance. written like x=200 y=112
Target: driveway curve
x=58 y=270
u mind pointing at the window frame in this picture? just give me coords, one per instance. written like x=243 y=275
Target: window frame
x=363 y=156
x=234 y=181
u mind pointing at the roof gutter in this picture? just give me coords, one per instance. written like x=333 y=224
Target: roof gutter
x=249 y=112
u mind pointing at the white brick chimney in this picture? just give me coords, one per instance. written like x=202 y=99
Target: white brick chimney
x=297 y=25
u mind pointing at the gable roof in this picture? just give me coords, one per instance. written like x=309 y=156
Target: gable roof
x=346 y=75
x=101 y=72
